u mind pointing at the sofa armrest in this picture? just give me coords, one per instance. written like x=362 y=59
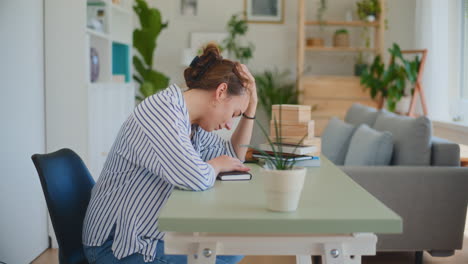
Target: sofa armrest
x=444 y=153
x=432 y=202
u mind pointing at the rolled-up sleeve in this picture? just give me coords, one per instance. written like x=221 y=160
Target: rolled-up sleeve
x=167 y=133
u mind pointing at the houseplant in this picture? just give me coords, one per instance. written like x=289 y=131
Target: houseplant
x=368 y=10
x=318 y=41
x=360 y=64
x=389 y=83
x=341 y=38
x=275 y=87
x=237 y=27
x=144 y=41
x=321 y=10
x=283 y=181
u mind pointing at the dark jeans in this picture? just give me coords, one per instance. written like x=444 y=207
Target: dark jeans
x=103 y=255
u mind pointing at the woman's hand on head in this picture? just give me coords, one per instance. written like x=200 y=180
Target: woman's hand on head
x=250 y=85
x=226 y=163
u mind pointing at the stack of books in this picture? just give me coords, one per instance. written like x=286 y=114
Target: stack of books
x=293 y=124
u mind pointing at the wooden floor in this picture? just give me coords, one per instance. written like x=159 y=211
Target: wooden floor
x=50 y=256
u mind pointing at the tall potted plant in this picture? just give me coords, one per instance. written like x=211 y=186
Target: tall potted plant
x=144 y=41
x=389 y=83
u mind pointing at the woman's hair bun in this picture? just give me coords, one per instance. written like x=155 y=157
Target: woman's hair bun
x=209 y=70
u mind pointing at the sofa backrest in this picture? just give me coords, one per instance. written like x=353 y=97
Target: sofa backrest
x=359 y=114
x=411 y=138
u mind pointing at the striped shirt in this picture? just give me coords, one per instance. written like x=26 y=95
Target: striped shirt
x=153 y=153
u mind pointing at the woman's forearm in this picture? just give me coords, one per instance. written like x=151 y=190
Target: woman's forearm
x=243 y=133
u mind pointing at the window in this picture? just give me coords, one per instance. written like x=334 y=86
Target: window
x=464 y=66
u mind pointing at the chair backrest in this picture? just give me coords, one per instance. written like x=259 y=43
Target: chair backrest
x=67 y=185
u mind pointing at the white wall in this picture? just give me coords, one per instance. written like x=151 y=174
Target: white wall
x=275 y=43
x=23 y=224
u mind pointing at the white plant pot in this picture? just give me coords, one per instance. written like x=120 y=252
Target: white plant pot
x=403 y=105
x=283 y=188
x=370 y=18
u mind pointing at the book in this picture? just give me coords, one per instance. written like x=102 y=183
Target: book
x=300 y=160
x=234 y=176
x=289 y=148
x=288 y=157
x=314 y=162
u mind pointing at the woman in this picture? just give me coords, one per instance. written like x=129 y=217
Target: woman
x=167 y=143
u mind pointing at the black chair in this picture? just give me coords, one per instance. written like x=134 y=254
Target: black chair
x=67 y=185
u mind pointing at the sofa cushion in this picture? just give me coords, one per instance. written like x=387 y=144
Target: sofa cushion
x=335 y=140
x=369 y=147
x=411 y=138
x=361 y=114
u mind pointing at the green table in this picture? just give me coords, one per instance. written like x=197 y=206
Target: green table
x=336 y=218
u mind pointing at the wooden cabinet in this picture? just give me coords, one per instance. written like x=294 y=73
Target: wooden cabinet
x=332 y=95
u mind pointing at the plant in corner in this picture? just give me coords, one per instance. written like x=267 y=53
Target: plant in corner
x=389 y=83
x=275 y=87
x=144 y=41
x=283 y=181
x=237 y=27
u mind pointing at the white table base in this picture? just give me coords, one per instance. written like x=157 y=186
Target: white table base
x=334 y=249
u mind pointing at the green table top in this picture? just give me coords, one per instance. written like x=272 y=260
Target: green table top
x=331 y=203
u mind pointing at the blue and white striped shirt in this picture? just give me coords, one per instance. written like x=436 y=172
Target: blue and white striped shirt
x=153 y=153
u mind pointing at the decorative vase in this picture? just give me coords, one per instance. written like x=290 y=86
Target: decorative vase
x=341 y=40
x=283 y=188
x=94 y=64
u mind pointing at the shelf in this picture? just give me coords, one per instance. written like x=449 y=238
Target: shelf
x=344 y=23
x=346 y=49
x=98 y=34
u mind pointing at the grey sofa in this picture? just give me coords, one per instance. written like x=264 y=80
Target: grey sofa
x=423 y=184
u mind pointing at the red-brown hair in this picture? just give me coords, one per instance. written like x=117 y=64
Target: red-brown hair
x=209 y=70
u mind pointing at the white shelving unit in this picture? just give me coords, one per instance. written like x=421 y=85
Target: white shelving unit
x=83 y=115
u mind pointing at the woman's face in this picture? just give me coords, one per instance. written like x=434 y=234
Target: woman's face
x=223 y=110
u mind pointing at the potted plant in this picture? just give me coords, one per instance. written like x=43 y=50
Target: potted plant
x=283 y=182
x=144 y=41
x=275 y=87
x=389 y=83
x=341 y=38
x=360 y=64
x=368 y=10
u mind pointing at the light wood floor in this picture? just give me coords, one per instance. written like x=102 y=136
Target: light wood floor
x=50 y=256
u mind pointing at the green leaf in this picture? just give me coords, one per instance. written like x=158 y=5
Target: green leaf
x=147 y=89
x=140 y=67
x=144 y=41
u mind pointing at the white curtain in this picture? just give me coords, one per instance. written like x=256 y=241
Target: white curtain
x=432 y=33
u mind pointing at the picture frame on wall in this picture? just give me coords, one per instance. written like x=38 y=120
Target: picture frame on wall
x=264 y=11
x=188 y=7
